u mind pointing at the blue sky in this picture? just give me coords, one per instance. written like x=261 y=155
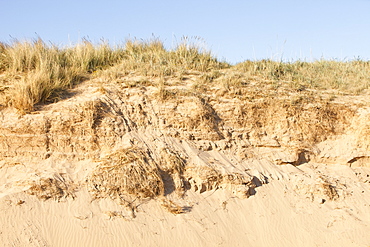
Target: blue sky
x=233 y=30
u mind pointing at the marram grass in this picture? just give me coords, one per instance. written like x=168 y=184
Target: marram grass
x=33 y=72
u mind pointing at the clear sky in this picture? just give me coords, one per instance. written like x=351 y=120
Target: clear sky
x=234 y=30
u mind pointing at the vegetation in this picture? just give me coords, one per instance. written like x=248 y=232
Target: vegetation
x=351 y=76
x=36 y=72
x=33 y=72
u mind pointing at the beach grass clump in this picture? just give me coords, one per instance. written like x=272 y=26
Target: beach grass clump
x=151 y=58
x=37 y=72
x=127 y=175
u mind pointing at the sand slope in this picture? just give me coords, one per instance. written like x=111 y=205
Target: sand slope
x=119 y=167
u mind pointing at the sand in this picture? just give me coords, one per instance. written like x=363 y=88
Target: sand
x=218 y=183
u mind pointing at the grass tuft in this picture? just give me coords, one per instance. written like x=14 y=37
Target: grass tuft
x=127 y=174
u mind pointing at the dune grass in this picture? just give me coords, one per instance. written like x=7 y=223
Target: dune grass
x=348 y=76
x=33 y=72
x=36 y=72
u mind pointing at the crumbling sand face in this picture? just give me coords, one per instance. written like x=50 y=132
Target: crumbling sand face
x=131 y=176
x=110 y=160
x=143 y=147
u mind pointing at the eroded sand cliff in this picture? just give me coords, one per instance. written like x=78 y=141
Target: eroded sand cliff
x=124 y=165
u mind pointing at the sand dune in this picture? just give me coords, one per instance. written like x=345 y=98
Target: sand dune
x=122 y=167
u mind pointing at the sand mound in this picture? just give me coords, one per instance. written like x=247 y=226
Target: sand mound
x=122 y=166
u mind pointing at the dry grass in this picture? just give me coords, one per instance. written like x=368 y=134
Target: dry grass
x=172 y=207
x=150 y=58
x=351 y=76
x=127 y=174
x=33 y=71
x=36 y=72
x=329 y=191
x=52 y=188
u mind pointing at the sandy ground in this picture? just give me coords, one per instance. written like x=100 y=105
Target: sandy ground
x=277 y=214
x=266 y=194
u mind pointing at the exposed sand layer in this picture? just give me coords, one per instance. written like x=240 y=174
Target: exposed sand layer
x=122 y=166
